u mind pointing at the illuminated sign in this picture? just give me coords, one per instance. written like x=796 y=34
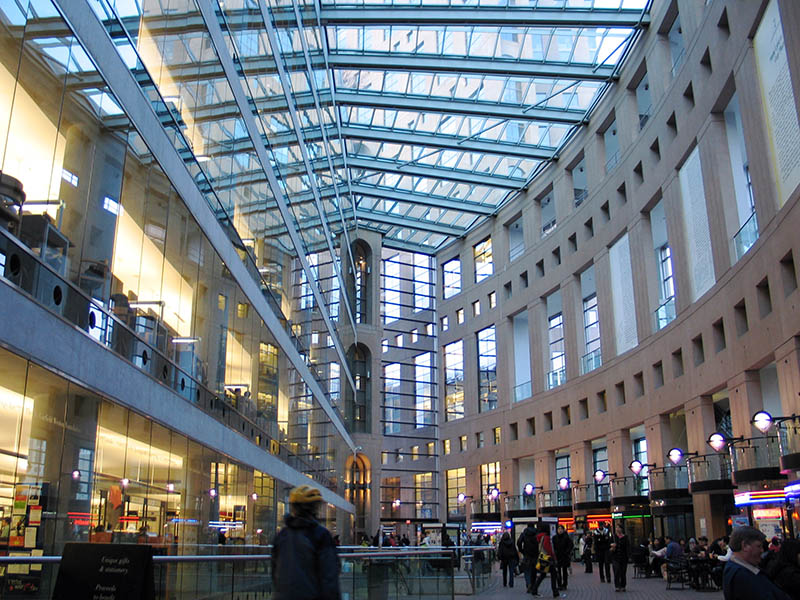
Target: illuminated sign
x=767 y=513
x=792 y=490
x=759 y=497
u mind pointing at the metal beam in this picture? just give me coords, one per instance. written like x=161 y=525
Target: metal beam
x=409 y=223
x=374 y=191
x=416 y=170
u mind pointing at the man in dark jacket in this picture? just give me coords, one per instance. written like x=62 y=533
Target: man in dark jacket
x=562 y=546
x=528 y=546
x=602 y=549
x=304 y=561
x=742 y=579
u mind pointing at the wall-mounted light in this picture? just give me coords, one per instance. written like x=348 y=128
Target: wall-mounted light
x=600 y=475
x=563 y=483
x=170 y=487
x=462 y=497
x=676 y=455
x=494 y=493
x=125 y=482
x=638 y=466
x=212 y=492
x=762 y=421
x=528 y=489
x=254 y=496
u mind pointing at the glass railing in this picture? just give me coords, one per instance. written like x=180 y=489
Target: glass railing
x=789 y=436
x=583 y=493
x=591 y=361
x=709 y=468
x=755 y=453
x=665 y=313
x=746 y=236
x=553 y=498
x=365 y=574
x=668 y=478
x=628 y=487
x=556 y=378
x=522 y=391
x=520 y=502
x=516 y=251
x=136 y=334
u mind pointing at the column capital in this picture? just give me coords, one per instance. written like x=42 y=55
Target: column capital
x=697 y=402
x=743 y=378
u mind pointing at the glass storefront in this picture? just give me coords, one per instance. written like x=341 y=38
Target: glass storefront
x=76 y=467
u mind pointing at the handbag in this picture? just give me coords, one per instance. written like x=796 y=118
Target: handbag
x=543 y=562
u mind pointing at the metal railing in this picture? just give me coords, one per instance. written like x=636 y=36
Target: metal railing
x=548 y=227
x=709 y=468
x=556 y=378
x=612 y=161
x=591 y=361
x=665 y=313
x=580 y=195
x=590 y=492
x=755 y=453
x=668 y=478
x=520 y=502
x=515 y=251
x=120 y=329
x=553 y=498
x=522 y=391
x=789 y=436
x=629 y=486
x=747 y=235
x=402 y=572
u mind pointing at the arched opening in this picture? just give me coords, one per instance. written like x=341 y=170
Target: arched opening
x=357 y=484
x=358 y=404
x=359 y=282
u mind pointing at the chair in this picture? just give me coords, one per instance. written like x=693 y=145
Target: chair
x=677 y=572
x=641 y=569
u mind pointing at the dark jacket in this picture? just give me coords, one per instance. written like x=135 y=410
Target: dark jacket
x=304 y=562
x=527 y=543
x=562 y=546
x=785 y=575
x=738 y=583
x=602 y=542
x=622 y=549
x=506 y=551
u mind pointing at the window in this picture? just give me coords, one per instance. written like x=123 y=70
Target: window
x=424 y=495
x=666 y=281
x=222 y=301
x=445 y=323
x=422 y=282
x=490 y=477
x=392 y=398
x=676 y=44
x=306 y=293
x=460 y=316
x=242 y=309
x=747 y=234
x=496 y=436
x=611 y=143
x=446 y=447
x=414 y=452
x=451 y=278
x=516 y=240
x=384 y=346
x=487 y=369
x=492 y=300
x=456 y=484
x=391 y=289
x=454 y=380
x=423 y=390
x=482 y=254
x=479 y=439
x=591 y=334
x=580 y=186
x=398 y=340
x=414 y=336
x=640 y=454
x=644 y=102
x=431 y=448
x=548 y=211
x=600 y=462
x=476 y=308
x=558 y=365
x=563 y=470
x=462 y=442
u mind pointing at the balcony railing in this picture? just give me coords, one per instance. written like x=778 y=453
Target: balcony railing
x=553 y=499
x=591 y=361
x=521 y=502
x=709 y=472
x=668 y=481
x=548 y=227
x=612 y=161
x=644 y=116
x=590 y=494
x=665 y=313
x=580 y=195
x=789 y=444
x=484 y=506
x=755 y=459
x=556 y=378
x=746 y=236
x=522 y=391
x=628 y=488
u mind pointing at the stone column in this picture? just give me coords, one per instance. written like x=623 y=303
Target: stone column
x=744 y=393
x=605 y=305
x=505 y=362
x=537 y=325
x=580 y=462
x=573 y=325
x=787 y=361
x=620 y=451
x=658 y=433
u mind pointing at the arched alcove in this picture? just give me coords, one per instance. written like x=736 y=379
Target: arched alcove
x=358 y=406
x=359 y=282
x=358 y=477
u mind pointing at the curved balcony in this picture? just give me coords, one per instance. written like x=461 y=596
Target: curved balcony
x=629 y=490
x=755 y=460
x=789 y=445
x=668 y=483
x=709 y=473
x=485 y=510
x=522 y=505
x=591 y=497
x=554 y=502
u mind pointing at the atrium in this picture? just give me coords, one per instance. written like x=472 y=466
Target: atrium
x=465 y=264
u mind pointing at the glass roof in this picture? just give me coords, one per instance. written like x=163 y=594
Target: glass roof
x=416 y=119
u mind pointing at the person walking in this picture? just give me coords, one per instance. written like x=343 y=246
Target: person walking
x=304 y=561
x=545 y=563
x=620 y=550
x=586 y=553
x=562 y=546
x=742 y=579
x=507 y=553
x=528 y=546
x=602 y=545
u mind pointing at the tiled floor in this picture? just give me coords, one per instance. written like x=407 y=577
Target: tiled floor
x=588 y=587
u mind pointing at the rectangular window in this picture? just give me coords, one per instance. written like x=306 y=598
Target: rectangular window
x=422 y=282
x=591 y=334
x=462 y=443
x=563 y=472
x=460 y=316
x=414 y=452
x=454 y=380
x=451 y=278
x=516 y=240
x=676 y=44
x=456 y=485
x=548 y=213
x=222 y=301
x=242 y=309
x=446 y=447
x=558 y=364
x=747 y=233
x=600 y=463
x=424 y=495
x=479 y=439
x=476 y=308
x=490 y=477
x=640 y=454
x=482 y=254
x=496 y=436
x=487 y=369
x=611 y=143
x=423 y=390
x=445 y=323
x=492 y=300
x=392 y=398
x=306 y=293
x=391 y=289
x=580 y=186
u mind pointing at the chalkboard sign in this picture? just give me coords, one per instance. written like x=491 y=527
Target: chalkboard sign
x=105 y=572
